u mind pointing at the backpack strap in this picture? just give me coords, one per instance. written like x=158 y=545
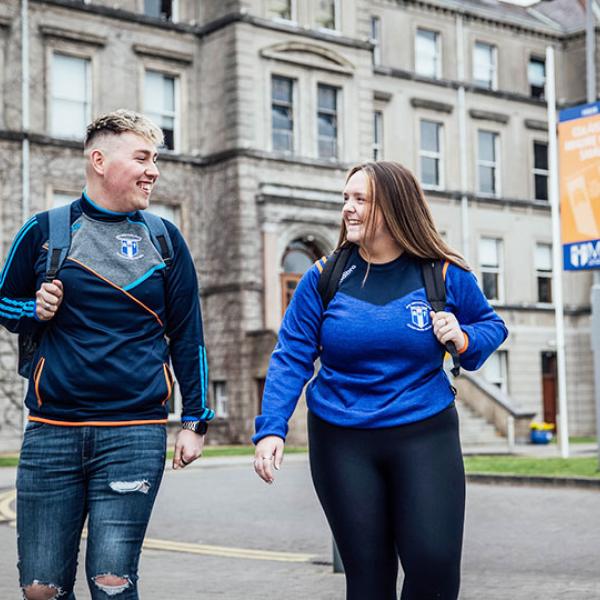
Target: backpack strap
x=332 y=273
x=435 y=288
x=59 y=239
x=160 y=236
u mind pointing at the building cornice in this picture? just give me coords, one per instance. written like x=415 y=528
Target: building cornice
x=261 y=155
x=213 y=26
x=453 y=7
x=119 y=14
x=188 y=159
x=500 y=202
x=455 y=85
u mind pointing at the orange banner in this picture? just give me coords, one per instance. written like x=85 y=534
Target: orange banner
x=579 y=160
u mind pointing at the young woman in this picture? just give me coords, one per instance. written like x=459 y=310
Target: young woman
x=384 y=446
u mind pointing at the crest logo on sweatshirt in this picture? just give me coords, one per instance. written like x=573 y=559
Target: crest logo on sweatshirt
x=130 y=248
x=419 y=316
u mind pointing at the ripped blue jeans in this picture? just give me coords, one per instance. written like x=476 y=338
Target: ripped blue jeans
x=109 y=475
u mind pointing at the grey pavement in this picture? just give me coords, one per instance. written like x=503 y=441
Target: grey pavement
x=520 y=543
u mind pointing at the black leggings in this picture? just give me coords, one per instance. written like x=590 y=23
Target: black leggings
x=389 y=493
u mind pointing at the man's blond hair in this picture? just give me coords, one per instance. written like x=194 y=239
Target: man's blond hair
x=122 y=121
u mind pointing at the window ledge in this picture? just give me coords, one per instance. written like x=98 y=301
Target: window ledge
x=81 y=37
x=163 y=53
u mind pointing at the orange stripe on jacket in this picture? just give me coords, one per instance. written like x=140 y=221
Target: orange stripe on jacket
x=445 y=269
x=464 y=348
x=119 y=288
x=96 y=423
x=321 y=263
x=36 y=378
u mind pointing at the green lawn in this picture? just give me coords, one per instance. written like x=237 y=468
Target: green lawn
x=212 y=451
x=9 y=460
x=502 y=465
x=589 y=439
x=521 y=465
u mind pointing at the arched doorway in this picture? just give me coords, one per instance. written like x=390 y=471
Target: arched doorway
x=298 y=257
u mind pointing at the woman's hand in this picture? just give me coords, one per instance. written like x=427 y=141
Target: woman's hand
x=446 y=328
x=268 y=454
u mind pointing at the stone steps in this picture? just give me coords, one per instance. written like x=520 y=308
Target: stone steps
x=475 y=430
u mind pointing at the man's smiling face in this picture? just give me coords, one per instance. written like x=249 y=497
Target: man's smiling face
x=130 y=171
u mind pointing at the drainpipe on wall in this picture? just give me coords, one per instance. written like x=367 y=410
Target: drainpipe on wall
x=25 y=198
x=462 y=137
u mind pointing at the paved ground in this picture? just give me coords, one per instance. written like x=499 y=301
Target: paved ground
x=521 y=543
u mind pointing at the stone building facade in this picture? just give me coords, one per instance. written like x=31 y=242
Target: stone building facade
x=266 y=104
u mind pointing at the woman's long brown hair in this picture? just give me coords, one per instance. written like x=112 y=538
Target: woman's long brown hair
x=395 y=192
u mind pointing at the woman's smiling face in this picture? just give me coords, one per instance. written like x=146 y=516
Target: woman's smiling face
x=356 y=210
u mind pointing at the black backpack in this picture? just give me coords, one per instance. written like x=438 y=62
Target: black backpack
x=59 y=242
x=433 y=276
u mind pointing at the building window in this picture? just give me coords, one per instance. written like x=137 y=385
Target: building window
x=487 y=163
x=326 y=14
x=327 y=119
x=490 y=265
x=540 y=170
x=175 y=403
x=543 y=271
x=167 y=211
x=496 y=370
x=299 y=256
x=220 y=399
x=376 y=39
x=160 y=104
x=430 y=153
x=279 y=9
x=427 y=54
x=71 y=96
x=62 y=199
x=536 y=73
x=484 y=66
x=377 y=135
x=161 y=9
x=282 y=114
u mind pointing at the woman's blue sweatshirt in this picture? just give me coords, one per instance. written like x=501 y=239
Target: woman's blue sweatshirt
x=381 y=364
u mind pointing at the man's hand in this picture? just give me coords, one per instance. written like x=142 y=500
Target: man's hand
x=48 y=299
x=188 y=447
x=268 y=454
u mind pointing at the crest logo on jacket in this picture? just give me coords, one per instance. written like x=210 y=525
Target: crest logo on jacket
x=419 y=316
x=130 y=246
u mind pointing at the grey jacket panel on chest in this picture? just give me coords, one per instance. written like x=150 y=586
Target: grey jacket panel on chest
x=121 y=251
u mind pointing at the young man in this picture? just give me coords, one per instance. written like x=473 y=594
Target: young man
x=98 y=392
